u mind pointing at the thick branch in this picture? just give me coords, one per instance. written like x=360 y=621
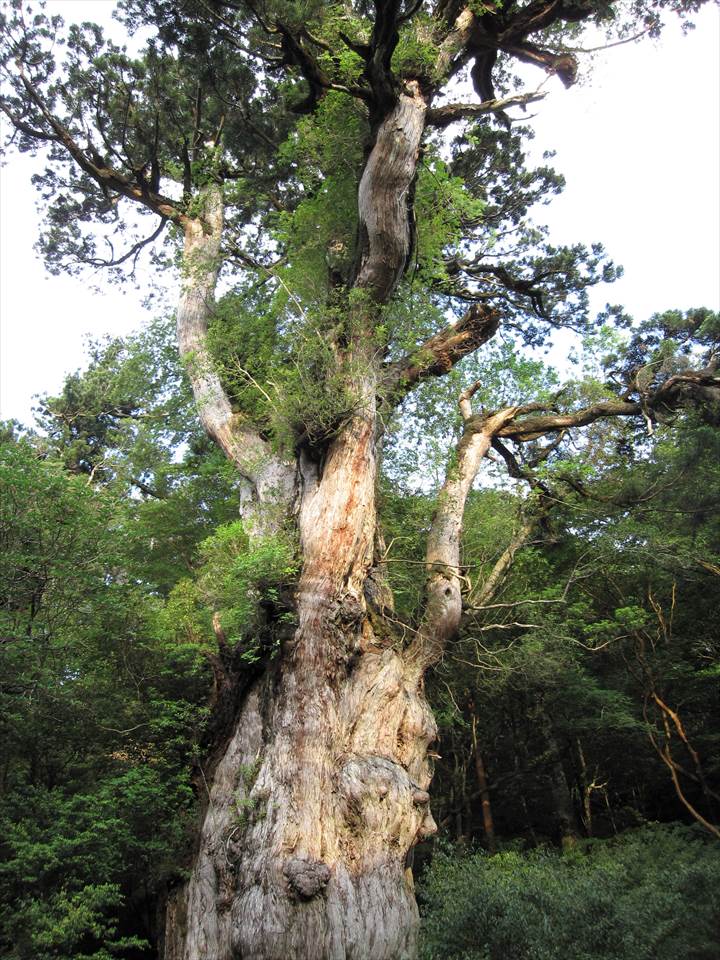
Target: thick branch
x=692 y=387
x=530 y=428
x=440 y=353
x=541 y=14
x=453 y=47
x=271 y=478
x=482 y=37
x=452 y=112
x=297 y=55
x=383 y=41
x=444 y=580
x=443 y=608
x=384 y=196
x=562 y=64
x=32 y=132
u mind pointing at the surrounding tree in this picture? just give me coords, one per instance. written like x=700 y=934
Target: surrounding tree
x=374 y=232
x=102 y=701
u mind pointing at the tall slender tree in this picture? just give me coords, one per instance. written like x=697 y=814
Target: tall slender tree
x=305 y=149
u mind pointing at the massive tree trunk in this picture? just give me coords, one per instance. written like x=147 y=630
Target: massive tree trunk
x=320 y=791
x=316 y=788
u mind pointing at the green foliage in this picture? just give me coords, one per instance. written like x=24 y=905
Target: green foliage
x=405 y=522
x=246 y=346
x=252 y=349
x=303 y=414
x=443 y=208
x=652 y=894
x=74 y=861
x=238 y=578
x=325 y=154
x=416 y=52
x=123 y=415
x=127 y=424
x=247 y=807
x=100 y=710
x=66 y=925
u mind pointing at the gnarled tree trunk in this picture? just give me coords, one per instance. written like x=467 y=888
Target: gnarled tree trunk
x=321 y=789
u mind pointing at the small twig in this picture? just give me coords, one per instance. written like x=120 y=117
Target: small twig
x=249 y=377
x=137 y=726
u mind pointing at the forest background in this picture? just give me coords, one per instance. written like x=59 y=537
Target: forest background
x=577 y=707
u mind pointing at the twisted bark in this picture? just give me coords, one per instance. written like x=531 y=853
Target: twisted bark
x=438 y=355
x=271 y=480
x=385 y=197
x=323 y=788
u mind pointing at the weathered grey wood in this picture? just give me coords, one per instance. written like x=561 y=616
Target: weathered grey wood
x=384 y=200
x=271 y=479
x=443 y=609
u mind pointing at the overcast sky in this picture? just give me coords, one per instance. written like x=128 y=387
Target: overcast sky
x=638 y=141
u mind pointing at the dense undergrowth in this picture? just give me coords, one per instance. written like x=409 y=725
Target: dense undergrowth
x=650 y=894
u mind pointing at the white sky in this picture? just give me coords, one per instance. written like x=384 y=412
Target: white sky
x=638 y=142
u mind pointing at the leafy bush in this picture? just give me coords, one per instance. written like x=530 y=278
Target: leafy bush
x=651 y=894
x=239 y=576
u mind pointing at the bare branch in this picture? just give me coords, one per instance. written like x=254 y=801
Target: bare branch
x=272 y=478
x=134 y=251
x=452 y=112
x=443 y=610
x=531 y=428
x=490 y=585
x=698 y=387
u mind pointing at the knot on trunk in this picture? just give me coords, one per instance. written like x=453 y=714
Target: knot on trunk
x=305 y=877
x=383 y=803
x=349 y=612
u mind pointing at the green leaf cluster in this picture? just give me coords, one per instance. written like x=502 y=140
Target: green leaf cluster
x=241 y=580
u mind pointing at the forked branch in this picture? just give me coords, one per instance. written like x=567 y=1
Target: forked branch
x=443 y=589
x=443 y=609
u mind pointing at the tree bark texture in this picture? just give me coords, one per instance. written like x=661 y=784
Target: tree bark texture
x=270 y=480
x=385 y=196
x=443 y=569
x=322 y=790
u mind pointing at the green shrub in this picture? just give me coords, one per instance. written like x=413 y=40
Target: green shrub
x=651 y=894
